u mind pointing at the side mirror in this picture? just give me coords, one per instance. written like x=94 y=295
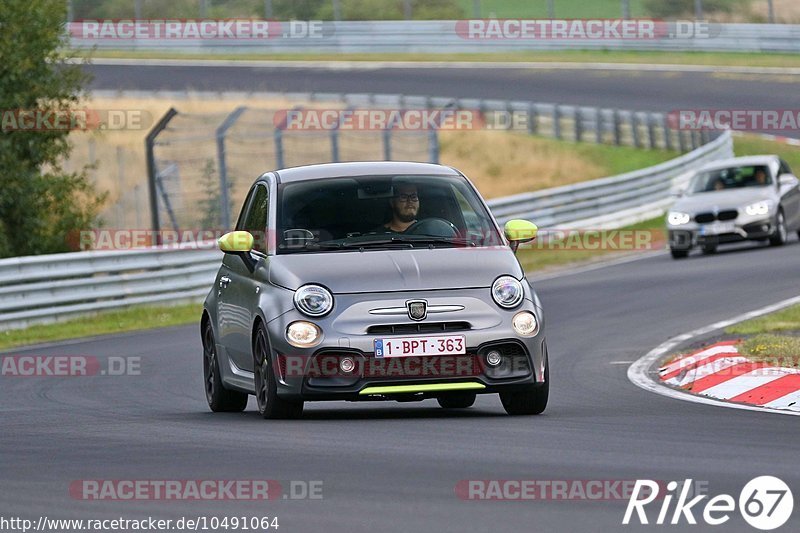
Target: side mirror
x=236 y=242
x=787 y=180
x=520 y=231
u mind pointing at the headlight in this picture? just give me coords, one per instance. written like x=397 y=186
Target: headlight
x=313 y=300
x=302 y=334
x=676 y=218
x=525 y=324
x=758 y=208
x=507 y=292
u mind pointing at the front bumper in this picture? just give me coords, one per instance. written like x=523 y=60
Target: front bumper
x=314 y=374
x=688 y=236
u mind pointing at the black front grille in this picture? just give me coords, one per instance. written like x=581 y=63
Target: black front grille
x=419 y=327
x=705 y=218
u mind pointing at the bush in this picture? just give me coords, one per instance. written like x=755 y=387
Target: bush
x=41 y=206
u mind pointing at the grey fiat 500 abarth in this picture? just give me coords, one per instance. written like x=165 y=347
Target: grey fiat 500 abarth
x=372 y=281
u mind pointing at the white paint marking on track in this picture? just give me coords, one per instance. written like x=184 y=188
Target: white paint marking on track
x=639 y=372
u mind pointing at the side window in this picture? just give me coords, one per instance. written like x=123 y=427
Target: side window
x=255 y=220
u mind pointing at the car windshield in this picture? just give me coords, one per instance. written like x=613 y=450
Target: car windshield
x=730 y=178
x=381 y=212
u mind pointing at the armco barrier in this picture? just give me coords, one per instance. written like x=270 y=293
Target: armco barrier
x=443 y=36
x=40 y=289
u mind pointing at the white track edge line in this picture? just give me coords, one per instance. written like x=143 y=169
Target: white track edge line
x=638 y=371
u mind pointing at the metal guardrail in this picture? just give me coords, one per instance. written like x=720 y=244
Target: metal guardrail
x=445 y=36
x=49 y=288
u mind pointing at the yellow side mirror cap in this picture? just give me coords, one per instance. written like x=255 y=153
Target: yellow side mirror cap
x=520 y=231
x=236 y=241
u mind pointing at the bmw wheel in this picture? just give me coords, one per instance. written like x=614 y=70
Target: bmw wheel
x=270 y=405
x=219 y=398
x=781 y=233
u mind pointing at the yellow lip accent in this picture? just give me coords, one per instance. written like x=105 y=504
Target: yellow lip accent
x=428 y=387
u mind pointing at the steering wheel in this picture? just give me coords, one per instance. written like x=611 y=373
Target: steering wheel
x=435 y=227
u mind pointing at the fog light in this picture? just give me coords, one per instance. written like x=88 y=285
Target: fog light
x=347 y=364
x=494 y=358
x=525 y=324
x=302 y=334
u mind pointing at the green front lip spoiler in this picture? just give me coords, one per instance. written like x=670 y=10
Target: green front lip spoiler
x=428 y=387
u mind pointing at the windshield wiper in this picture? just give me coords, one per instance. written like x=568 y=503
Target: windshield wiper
x=458 y=241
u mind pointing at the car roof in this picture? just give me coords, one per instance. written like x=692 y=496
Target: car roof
x=750 y=160
x=362 y=168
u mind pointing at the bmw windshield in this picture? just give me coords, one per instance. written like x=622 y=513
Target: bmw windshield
x=730 y=178
x=381 y=212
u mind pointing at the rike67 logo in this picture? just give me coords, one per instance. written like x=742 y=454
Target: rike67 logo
x=765 y=503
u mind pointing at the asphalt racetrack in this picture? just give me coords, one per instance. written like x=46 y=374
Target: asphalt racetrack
x=394 y=467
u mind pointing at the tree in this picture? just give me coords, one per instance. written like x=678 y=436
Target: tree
x=41 y=205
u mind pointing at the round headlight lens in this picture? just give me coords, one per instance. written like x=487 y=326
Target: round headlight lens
x=525 y=324
x=313 y=300
x=302 y=334
x=507 y=292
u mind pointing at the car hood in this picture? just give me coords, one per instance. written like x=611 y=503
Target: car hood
x=395 y=270
x=707 y=201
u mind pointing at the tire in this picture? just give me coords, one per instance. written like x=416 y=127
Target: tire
x=679 y=254
x=709 y=249
x=531 y=401
x=270 y=405
x=220 y=399
x=781 y=233
x=457 y=401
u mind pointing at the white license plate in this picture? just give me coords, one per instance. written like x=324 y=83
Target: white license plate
x=717 y=228
x=420 y=346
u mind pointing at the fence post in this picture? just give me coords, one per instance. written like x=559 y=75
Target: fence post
x=557 y=121
x=667 y=133
x=598 y=125
x=682 y=141
x=387 y=144
x=635 y=129
x=149 y=143
x=578 y=117
x=278 y=136
x=651 y=131
x=224 y=200
x=617 y=128
x=532 y=119
x=433 y=145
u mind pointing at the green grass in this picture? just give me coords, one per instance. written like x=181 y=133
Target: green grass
x=752 y=145
x=619 y=159
x=786 y=320
x=577 y=56
x=541 y=256
x=776 y=350
x=563 y=8
x=133 y=319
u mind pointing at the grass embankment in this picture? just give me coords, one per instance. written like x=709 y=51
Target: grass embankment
x=729 y=59
x=774 y=338
x=133 y=319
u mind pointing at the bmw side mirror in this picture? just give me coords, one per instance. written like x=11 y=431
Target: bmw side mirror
x=787 y=180
x=520 y=231
x=236 y=242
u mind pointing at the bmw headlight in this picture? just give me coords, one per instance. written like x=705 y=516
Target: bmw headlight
x=676 y=218
x=758 y=208
x=507 y=291
x=313 y=300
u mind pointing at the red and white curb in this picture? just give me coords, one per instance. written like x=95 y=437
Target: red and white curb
x=720 y=372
